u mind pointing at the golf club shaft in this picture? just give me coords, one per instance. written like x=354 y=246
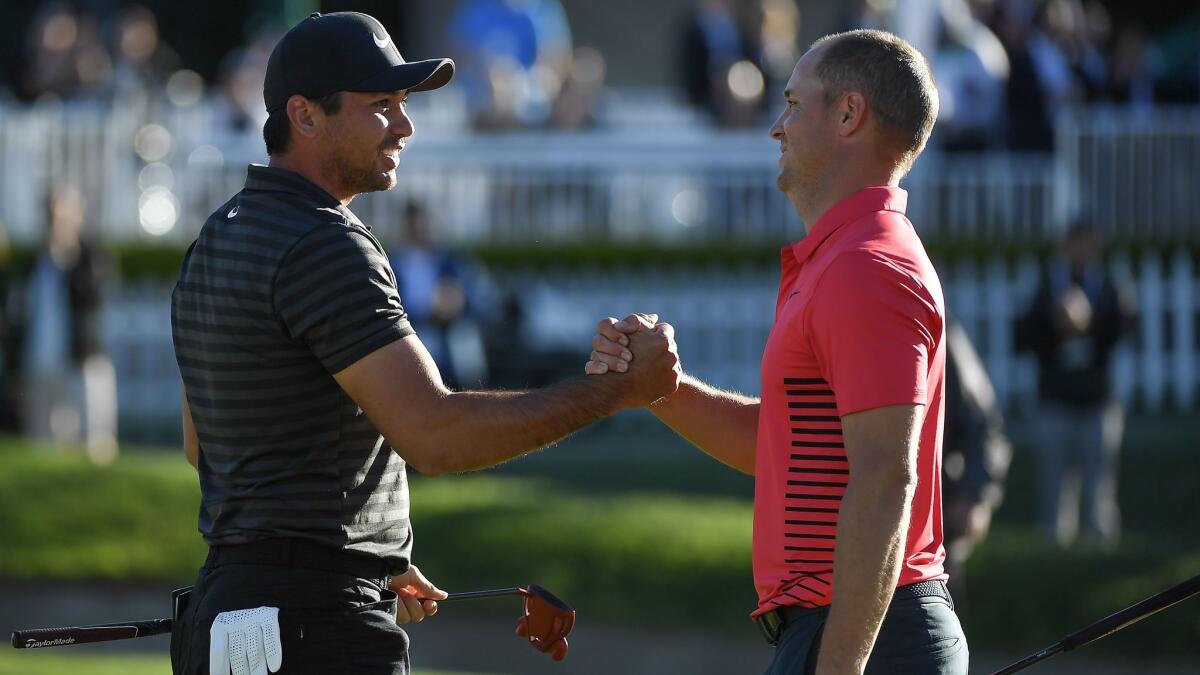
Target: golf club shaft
x=471 y=595
x=1111 y=624
x=74 y=635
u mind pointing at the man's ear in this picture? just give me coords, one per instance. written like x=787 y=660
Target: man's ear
x=851 y=113
x=303 y=117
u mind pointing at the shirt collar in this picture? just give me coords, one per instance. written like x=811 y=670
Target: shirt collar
x=274 y=179
x=850 y=209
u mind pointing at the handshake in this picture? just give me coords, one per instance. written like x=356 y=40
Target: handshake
x=640 y=353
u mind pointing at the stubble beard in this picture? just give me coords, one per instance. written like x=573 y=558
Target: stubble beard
x=356 y=174
x=366 y=177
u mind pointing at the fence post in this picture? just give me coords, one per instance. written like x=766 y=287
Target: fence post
x=1183 y=307
x=1151 y=289
x=998 y=319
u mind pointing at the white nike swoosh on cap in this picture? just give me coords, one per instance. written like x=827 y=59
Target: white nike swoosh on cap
x=381 y=43
x=232 y=212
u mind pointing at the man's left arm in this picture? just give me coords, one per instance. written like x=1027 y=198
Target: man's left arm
x=876 y=328
x=881 y=446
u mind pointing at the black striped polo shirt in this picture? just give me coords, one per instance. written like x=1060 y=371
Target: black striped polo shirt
x=284 y=287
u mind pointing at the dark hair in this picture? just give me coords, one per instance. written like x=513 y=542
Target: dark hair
x=277 y=130
x=891 y=74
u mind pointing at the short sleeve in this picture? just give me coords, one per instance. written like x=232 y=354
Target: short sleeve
x=336 y=293
x=874 y=328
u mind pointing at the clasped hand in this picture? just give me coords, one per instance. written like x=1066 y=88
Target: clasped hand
x=641 y=348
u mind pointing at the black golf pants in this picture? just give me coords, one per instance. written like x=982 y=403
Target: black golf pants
x=329 y=622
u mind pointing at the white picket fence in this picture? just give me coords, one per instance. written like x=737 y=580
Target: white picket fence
x=157 y=178
x=722 y=317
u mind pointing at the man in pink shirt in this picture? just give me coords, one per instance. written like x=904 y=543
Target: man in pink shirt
x=845 y=441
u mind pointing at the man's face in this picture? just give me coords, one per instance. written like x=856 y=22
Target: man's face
x=805 y=130
x=362 y=141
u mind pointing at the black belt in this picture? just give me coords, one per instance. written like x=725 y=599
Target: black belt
x=302 y=554
x=773 y=622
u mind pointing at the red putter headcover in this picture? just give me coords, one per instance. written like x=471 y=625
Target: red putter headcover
x=547 y=622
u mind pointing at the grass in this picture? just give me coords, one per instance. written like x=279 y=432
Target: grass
x=587 y=522
x=1022 y=594
x=65 y=519
x=50 y=662
x=600 y=552
x=61 y=517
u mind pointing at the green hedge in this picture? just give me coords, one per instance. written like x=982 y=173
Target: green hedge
x=152 y=263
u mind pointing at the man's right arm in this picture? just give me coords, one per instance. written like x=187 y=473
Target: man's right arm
x=335 y=293
x=723 y=424
x=191 y=442
x=438 y=431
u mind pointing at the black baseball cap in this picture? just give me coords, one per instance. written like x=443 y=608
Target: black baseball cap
x=344 y=51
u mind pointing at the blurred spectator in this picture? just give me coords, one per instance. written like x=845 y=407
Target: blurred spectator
x=1068 y=32
x=773 y=27
x=975 y=455
x=1134 y=68
x=718 y=67
x=237 y=106
x=68 y=381
x=872 y=14
x=8 y=340
x=64 y=56
x=436 y=287
x=511 y=57
x=972 y=73
x=1028 y=110
x=577 y=102
x=1179 y=52
x=534 y=338
x=141 y=61
x=1078 y=315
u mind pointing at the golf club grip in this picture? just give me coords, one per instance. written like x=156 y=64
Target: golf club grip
x=1141 y=610
x=37 y=638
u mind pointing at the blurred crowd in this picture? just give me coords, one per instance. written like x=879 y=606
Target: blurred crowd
x=517 y=66
x=74 y=54
x=1005 y=68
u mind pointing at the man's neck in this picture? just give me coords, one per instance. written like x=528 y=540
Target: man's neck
x=311 y=171
x=811 y=210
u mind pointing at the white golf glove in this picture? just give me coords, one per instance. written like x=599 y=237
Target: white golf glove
x=245 y=642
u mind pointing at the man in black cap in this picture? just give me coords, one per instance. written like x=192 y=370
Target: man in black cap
x=306 y=391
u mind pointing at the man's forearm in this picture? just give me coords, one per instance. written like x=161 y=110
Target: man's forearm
x=478 y=429
x=872 y=526
x=721 y=423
